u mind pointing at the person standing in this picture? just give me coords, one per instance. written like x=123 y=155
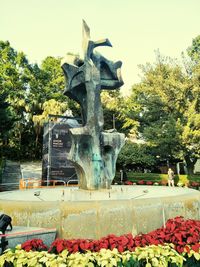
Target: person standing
x=170 y=177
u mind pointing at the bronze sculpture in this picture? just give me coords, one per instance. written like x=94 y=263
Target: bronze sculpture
x=94 y=151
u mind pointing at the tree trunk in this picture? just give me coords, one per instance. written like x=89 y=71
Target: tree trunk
x=190 y=164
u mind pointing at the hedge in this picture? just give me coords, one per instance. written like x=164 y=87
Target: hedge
x=157 y=177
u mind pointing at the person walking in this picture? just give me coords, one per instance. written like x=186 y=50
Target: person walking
x=170 y=177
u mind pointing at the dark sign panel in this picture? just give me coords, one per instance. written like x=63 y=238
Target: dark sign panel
x=56 y=144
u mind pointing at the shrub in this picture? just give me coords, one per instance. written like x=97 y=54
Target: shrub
x=149 y=256
x=149 y=183
x=141 y=182
x=180 y=232
x=34 y=245
x=194 y=184
x=128 y=183
x=158 y=177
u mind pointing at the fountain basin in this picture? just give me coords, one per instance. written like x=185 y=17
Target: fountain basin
x=93 y=214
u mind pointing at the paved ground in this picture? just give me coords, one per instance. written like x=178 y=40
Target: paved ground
x=20 y=234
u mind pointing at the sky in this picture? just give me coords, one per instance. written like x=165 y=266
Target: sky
x=136 y=28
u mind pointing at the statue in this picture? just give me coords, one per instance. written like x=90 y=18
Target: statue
x=94 y=151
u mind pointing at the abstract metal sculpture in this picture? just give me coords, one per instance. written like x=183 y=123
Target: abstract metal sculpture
x=94 y=151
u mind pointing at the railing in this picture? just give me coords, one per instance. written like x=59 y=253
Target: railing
x=29 y=183
x=72 y=180
x=36 y=183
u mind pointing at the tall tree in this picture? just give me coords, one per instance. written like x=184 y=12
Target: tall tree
x=194 y=50
x=167 y=102
x=14 y=83
x=7 y=120
x=114 y=109
x=191 y=132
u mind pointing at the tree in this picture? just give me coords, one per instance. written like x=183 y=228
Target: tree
x=7 y=120
x=46 y=97
x=194 y=50
x=45 y=83
x=191 y=133
x=114 y=110
x=25 y=92
x=167 y=102
x=136 y=155
x=13 y=85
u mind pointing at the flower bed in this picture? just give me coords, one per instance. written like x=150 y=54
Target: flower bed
x=191 y=184
x=194 y=184
x=176 y=244
x=192 y=181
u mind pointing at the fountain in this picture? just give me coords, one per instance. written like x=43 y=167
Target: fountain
x=96 y=208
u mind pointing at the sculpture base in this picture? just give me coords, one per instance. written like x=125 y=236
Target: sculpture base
x=93 y=214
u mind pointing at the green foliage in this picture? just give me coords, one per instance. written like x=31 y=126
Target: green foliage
x=7 y=117
x=26 y=93
x=167 y=103
x=113 y=105
x=157 y=177
x=194 y=49
x=13 y=88
x=52 y=107
x=136 y=155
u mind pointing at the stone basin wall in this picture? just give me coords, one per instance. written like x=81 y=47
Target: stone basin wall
x=95 y=219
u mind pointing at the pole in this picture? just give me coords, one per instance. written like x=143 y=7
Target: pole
x=49 y=153
x=113 y=121
x=121 y=176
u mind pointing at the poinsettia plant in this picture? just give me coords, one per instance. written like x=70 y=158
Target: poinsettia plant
x=128 y=183
x=141 y=182
x=178 y=231
x=34 y=245
x=178 y=243
x=194 y=184
x=184 y=234
x=149 y=183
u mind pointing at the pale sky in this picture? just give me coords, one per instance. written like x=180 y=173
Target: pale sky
x=136 y=28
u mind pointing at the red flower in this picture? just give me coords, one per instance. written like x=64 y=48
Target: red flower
x=149 y=183
x=195 y=247
x=34 y=245
x=128 y=183
x=141 y=182
x=184 y=234
x=194 y=184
